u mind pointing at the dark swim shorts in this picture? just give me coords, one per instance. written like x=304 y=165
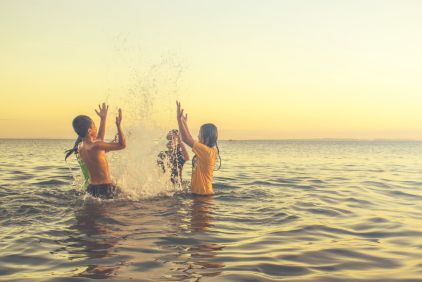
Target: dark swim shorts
x=105 y=191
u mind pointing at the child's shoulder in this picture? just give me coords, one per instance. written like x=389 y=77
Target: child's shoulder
x=198 y=146
x=95 y=144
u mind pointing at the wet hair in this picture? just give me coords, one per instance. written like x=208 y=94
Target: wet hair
x=80 y=124
x=209 y=135
x=173 y=132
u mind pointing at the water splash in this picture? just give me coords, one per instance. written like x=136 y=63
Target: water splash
x=149 y=112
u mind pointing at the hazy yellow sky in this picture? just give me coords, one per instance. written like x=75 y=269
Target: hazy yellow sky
x=258 y=69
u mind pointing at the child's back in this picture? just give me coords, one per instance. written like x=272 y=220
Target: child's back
x=203 y=168
x=91 y=148
x=96 y=162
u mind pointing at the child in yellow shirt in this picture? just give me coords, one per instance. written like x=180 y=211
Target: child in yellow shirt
x=206 y=151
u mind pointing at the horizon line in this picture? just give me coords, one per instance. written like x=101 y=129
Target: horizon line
x=255 y=139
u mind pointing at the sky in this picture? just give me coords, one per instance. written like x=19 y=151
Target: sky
x=257 y=69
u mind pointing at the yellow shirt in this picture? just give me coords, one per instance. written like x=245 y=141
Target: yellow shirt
x=203 y=169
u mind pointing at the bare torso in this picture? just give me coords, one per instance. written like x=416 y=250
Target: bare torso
x=96 y=162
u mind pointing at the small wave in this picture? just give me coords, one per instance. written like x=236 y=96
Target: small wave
x=270 y=269
x=403 y=194
x=287 y=180
x=378 y=219
x=358 y=201
x=376 y=184
x=223 y=186
x=263 y=182
x=412 y=182
x=23 y=176
x=322 y=211
x=51 y=182
x=44 y=167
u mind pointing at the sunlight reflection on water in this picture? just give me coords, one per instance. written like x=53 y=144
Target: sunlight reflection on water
x=291 y=210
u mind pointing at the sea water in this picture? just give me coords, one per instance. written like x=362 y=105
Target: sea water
x=304 y=210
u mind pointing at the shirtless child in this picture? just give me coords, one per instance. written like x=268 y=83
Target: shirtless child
x=91 y=148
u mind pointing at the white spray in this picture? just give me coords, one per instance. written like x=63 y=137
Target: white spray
x=148 y=114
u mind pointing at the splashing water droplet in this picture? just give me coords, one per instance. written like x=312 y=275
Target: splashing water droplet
x=148 y=114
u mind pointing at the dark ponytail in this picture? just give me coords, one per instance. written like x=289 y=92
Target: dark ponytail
x=74 y=150
x=80 y=124
x=218 y=154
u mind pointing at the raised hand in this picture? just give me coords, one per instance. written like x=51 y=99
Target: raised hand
x=102 y=111
x=179 y=110
x=180 y=116
x=183 y=127
x=119 y=118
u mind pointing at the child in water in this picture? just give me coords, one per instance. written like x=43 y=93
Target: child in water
x=91 y=148
x=205 y=149
x=174 y=158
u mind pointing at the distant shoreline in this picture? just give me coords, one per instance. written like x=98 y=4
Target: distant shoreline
x=260 y=140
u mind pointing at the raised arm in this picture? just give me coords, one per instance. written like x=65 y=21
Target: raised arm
x=183 y=126
x=114 y=146
x=183 y=148
x=102 y=113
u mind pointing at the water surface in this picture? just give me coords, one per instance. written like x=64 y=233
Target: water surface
x=283 y=210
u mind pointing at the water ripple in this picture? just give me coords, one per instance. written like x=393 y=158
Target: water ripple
x=283 y=210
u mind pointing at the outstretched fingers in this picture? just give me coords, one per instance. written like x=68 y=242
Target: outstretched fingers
x=102 y=110
x=119 y=117
x=178 y=109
